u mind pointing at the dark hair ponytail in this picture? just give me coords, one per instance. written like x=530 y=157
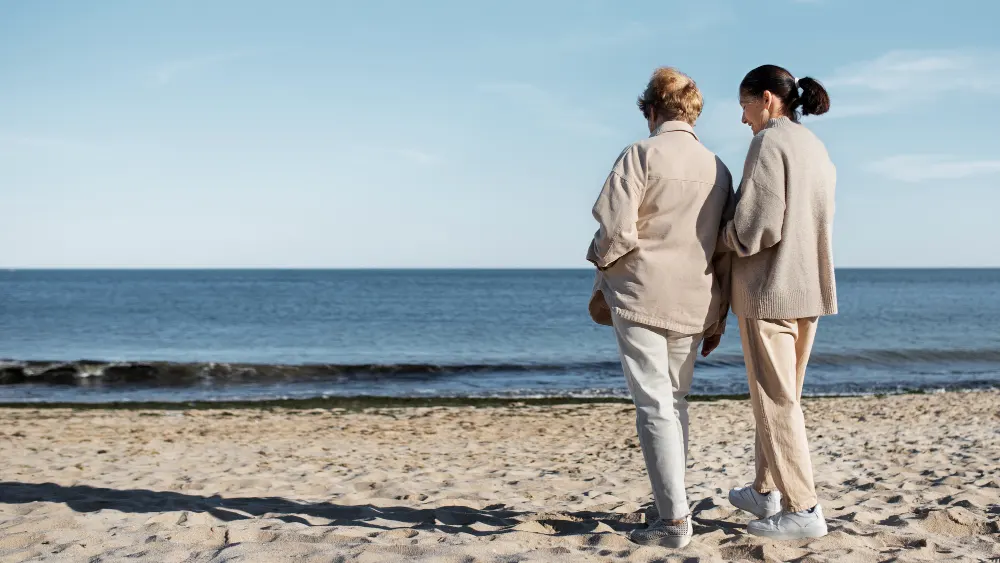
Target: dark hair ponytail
x=814 y=100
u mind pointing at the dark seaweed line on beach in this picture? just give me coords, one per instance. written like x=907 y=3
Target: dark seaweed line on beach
x=363 y=402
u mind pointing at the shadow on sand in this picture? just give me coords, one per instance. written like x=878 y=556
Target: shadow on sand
x=450 y=519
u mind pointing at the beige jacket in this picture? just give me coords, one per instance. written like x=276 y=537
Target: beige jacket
x=782 y=232
x=660 y=214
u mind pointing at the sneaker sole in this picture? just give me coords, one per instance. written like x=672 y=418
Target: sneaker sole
x=812 y=534
x=751 y=511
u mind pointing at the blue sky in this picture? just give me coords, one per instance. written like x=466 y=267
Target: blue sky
x=460 y=134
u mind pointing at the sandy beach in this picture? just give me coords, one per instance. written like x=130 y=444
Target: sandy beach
x=902 y=478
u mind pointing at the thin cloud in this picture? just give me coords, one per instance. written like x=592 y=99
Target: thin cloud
x=546 y=108
x=900 y=79
x=627 y=34
x=607 y=37
x=45 y=143
x=515 y=89
x=914 y=168
x=419 y=157
x=172 y=70
x=707 y=17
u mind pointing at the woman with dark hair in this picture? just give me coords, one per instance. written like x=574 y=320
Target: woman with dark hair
x=782 y=282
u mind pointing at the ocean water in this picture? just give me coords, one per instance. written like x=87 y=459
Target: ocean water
x=96 y=336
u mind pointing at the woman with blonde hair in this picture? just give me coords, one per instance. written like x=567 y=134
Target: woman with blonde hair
x=783 y=281
x=661 y=283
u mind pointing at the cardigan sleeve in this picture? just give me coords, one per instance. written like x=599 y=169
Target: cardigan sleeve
x=760 y=208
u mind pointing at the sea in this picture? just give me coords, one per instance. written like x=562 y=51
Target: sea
x=221 y=335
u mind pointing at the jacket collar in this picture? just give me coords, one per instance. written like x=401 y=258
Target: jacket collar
x=670 y=126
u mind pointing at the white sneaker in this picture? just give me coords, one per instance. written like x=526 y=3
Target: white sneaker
x=791 y=525
x=760 y=505
x=664 y=534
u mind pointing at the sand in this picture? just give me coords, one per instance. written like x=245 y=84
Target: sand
x=902 y=478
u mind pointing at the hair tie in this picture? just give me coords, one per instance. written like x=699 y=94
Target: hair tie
x=796 y=82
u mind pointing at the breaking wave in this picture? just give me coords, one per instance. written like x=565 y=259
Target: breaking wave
x=157 y=374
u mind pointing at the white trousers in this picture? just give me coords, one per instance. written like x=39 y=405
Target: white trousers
x=658 y=366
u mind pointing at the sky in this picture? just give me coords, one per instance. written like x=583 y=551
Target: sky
x=385 y=134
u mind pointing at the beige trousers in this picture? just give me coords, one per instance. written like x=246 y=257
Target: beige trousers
x=776 y=354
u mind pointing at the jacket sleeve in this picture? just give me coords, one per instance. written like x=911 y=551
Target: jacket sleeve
x=760 y=201
x=617 y=210
x=722 y=260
